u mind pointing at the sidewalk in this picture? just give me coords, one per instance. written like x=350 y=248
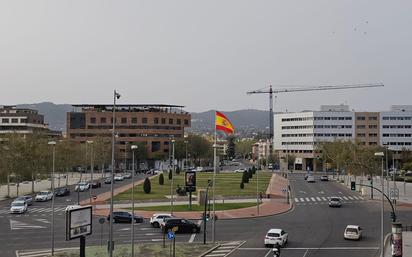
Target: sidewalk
x=274 y=205
x=39 y=185
x=407 y=245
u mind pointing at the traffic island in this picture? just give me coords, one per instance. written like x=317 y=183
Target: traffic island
x=147 y=250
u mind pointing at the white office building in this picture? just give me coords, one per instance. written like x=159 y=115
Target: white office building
x=396 y=128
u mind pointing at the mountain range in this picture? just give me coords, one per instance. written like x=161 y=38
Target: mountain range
x=246 y=122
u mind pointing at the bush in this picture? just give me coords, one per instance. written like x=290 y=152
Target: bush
x=147 y=187
x=250 y=173
x=245 y=177
x=161 y=179
x=253 y=169
x=170 y=174
x=177 y=170
x=242 y=185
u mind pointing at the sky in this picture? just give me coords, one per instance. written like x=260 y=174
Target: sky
x=205 y=54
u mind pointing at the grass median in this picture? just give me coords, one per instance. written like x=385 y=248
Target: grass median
x=227 y=184
x=195 y=207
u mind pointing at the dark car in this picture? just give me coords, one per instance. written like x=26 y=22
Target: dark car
x=62 y=191
x=108 y=181
x=184 y=226
x=96 y=184
x=125 y=217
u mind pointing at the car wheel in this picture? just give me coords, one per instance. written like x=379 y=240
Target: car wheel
x=156 y=224
x=266 y=245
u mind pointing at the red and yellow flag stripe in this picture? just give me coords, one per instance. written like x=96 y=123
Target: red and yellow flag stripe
x=223 y=123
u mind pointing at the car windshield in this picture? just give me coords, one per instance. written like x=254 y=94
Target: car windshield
x=20 y=199
x=334 y=199
x=43 y=193
x=17 y=204
x=352 y=230
x=273 y=235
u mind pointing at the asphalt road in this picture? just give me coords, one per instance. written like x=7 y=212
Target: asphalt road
x=314 y=228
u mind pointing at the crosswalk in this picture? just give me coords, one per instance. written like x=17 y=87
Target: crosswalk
x=36 y=210
x=325 y=200
x=225 y=249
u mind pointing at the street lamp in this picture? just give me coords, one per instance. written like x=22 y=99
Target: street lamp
x=381 y=154
x=133 y=147
x=116 y=95
x=185 y=165
x=125 y=156
x=173 y=172
x=91 y=169
x=53 y=144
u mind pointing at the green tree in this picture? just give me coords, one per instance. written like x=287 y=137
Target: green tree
x=244 y=148
x=245 y=177
x=147 y=187
x=242 y=185
x=170 y=174
x=161 y=179
x=253 y=169
x=250 y=173
x=231 y=147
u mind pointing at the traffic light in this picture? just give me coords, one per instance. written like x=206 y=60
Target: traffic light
x=353 y=186
x=393 y=216
x=207 y=216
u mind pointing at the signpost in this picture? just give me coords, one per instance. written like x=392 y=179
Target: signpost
x=171 y=236
x=79 y=224
x=394 y=194
x=190 y=185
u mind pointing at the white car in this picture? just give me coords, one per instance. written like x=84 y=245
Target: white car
x=18 y=207
x=82 y=186
x=310 y=179
x=353 y=232
x=276 y=236
x=240 y=170
x=158 y=218
x=118 y=177
x=43 y=196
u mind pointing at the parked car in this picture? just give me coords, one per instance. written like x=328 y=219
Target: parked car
x=408 y=173
x=324 y=178
x=95 y=184
x=118 y=177
x=18 y=207
x=158 y=218
x=82 y=186
x=276 y=236
x=27 y=198
x=306 y=176
x=353 y=232
x=127 y=175
x=240 y=170
x=183 y=225
x=108 y=180
x=62 y=191
x=43 y=196
x=335 y=202
x=310 y=179
x=125 y=217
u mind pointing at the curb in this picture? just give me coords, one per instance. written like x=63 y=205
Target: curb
x=210 y=250
x=386 y=243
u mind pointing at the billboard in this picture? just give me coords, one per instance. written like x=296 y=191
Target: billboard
x=190 y=181
x=78 y=222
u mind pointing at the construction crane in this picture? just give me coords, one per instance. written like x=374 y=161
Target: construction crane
x=272 y=91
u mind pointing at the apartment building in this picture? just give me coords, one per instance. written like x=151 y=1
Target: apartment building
x=154 y=125
x=367 y=128
x=24 y=121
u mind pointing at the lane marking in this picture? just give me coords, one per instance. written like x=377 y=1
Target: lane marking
x=267 y=254
x=314 y=248
x=313 y=199
x=324 y=199
x=317 y=198
x=192 y=237
x=350 y=197
x=344 y=197
x=296 y=200
x=307 y=199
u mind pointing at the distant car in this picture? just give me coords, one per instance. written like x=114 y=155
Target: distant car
x=335 y=202
x=18 y=207
x=96 y=184
x=306 y=176
x=74 y=206
x=82 y=186
x=158 y=218
x=43 y=196
x=310 y=179
x=27 y=198
x=183 y=225
x=353 y=232
x=108 y=181
x=276 y=236
x=118 y=177
x=127 y=175
x=408 y=173
x=240 y=170
x=125 y=217
x=324 y=178
x=62 y=191
x=199 y=169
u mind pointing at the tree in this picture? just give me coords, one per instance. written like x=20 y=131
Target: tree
x=242 y=185
x=231 y=147
x=177 y=170
x=250 y=173
x=161 y=179
x=244 y=148
x=200 y=148
x=253 y=169
x=170 y=174
x=147 y=187
x=245 y=177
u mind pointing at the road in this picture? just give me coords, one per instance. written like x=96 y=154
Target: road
x=314 y=228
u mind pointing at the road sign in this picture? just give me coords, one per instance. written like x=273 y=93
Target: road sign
x=394 y=193
x=170 y=235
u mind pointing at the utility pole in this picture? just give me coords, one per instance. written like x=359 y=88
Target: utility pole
x=53 y=144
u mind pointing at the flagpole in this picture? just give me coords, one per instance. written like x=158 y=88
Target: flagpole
x=214 y=182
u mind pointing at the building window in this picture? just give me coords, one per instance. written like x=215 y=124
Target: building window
x=14 y=120
x=186 y=122
x=179 y=121
x=5 y=120
x=93 y=120
x=373 y=118
x=134 y=120
x=163 y=120
x=360 y=126
x=170 y=121
x=124 y=120
x=360 y=118
x=361 y=134
x=103 y=120
x=348 y=118
x=373 y=135
x=156 y=120
x=373 y=126
x=23 y=120
x=144 y=120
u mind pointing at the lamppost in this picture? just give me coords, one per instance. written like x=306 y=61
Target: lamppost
x=133 y=147
x=185 y=166
x=382 y=155
x=53 y=144
x=173 y=172
x=91 y=169
x=115 y=96
x=125 y=156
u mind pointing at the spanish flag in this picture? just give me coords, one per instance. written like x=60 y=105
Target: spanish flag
x=223 y=123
